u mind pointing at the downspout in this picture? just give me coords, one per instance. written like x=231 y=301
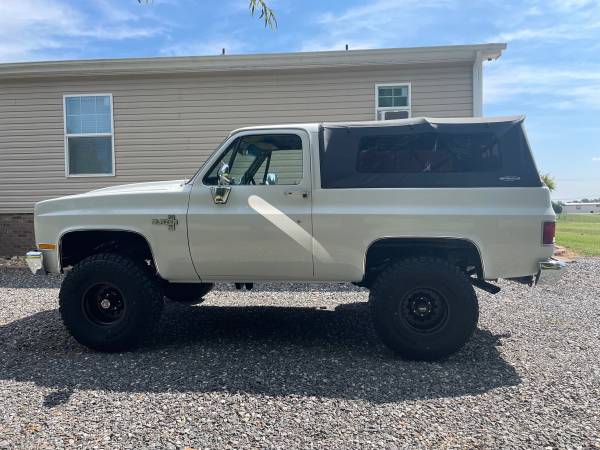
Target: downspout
x=478 y=85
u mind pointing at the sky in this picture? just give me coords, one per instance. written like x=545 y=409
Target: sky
x=550 y=71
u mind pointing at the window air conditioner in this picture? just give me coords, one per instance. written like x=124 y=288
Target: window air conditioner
x=391 y=115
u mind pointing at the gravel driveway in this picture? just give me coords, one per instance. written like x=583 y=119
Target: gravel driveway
x=298 y=366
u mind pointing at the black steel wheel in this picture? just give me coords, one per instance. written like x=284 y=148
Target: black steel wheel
x=423 y=308
x=103 y=304
x=109 y=302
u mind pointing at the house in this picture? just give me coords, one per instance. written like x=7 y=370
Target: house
x=581 y=208
x=72 y=126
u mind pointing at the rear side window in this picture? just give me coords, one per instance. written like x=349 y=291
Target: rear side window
x=428 y=152
x=424 y=154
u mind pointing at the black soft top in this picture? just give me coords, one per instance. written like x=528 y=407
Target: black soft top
x=341 y=145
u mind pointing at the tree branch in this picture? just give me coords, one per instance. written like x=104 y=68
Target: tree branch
x=266 y=13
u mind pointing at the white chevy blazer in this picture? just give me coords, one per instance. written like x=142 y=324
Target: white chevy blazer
x=417 y=210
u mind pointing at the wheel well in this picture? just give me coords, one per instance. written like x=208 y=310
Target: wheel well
x=77 y=245
x=461 y=252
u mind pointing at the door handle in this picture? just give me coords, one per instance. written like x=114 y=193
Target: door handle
x=303 y=194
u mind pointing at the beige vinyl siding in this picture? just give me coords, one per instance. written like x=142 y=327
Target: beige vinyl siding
x=166 y=126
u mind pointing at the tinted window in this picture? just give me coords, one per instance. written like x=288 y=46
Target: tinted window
x=428 y=152
x=425 y=153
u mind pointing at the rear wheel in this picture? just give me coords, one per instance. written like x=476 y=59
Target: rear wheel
x=188 y=293
x=424 y=308
x=109 y=302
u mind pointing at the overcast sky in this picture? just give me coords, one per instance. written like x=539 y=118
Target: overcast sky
x=550 y=71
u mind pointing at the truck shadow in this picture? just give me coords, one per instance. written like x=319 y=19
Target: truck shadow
x=272 y=351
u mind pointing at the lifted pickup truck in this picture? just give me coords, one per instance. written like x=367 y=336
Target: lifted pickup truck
x=418 y=211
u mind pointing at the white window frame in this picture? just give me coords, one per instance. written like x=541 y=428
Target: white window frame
x=379 y=109
x=67 y=136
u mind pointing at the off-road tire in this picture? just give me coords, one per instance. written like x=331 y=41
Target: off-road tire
x=141 y=301
x=404 y=284
x=188 y=293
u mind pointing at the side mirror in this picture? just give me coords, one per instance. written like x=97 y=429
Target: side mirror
x=223 y=174
x=271 y=178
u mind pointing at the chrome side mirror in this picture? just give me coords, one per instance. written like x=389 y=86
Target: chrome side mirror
x=271 y=178
x=223 y=175
x=220 y=194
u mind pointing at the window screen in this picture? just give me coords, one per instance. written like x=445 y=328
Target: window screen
x=89 y=134
x=90 y=155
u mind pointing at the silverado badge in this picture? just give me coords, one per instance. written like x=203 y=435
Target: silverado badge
x=171 y=221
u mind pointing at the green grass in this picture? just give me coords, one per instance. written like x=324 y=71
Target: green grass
x=579 y=232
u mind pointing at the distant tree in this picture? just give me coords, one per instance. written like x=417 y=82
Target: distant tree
x=548 y=180
x=557 y=207
x=265 y=13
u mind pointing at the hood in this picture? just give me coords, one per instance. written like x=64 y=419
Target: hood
x=108 y=196
x=135 y=188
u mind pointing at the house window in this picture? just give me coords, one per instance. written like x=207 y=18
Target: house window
x=392 y=101
x=89 y=143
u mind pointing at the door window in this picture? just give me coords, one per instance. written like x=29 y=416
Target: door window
x=263 y=159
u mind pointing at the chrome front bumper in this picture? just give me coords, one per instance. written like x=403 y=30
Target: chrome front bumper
x=550 y=271
x=35 y=261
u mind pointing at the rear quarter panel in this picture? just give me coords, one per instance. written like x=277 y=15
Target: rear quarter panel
x=505 y=224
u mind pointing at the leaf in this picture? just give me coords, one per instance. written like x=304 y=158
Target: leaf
x=266 y=13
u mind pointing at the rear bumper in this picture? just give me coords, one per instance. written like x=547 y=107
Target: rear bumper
x=35 y=262
x=550 y=271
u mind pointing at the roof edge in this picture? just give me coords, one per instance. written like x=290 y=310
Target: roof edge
x=515 y=119
x=255 y=62
x=431 y=120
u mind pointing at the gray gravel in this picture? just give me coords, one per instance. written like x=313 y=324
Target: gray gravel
x=298 y=366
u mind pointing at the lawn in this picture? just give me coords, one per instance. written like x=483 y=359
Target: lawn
x=579 y=232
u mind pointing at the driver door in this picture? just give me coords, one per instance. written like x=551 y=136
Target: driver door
x=249 y=213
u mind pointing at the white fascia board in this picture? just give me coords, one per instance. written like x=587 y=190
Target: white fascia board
x=478 y=85
x=259 y=62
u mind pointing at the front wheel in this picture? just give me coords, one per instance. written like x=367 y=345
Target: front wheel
x=109 y=302
x=424 y=308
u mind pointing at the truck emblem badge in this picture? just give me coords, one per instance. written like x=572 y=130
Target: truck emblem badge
x=171 y=221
